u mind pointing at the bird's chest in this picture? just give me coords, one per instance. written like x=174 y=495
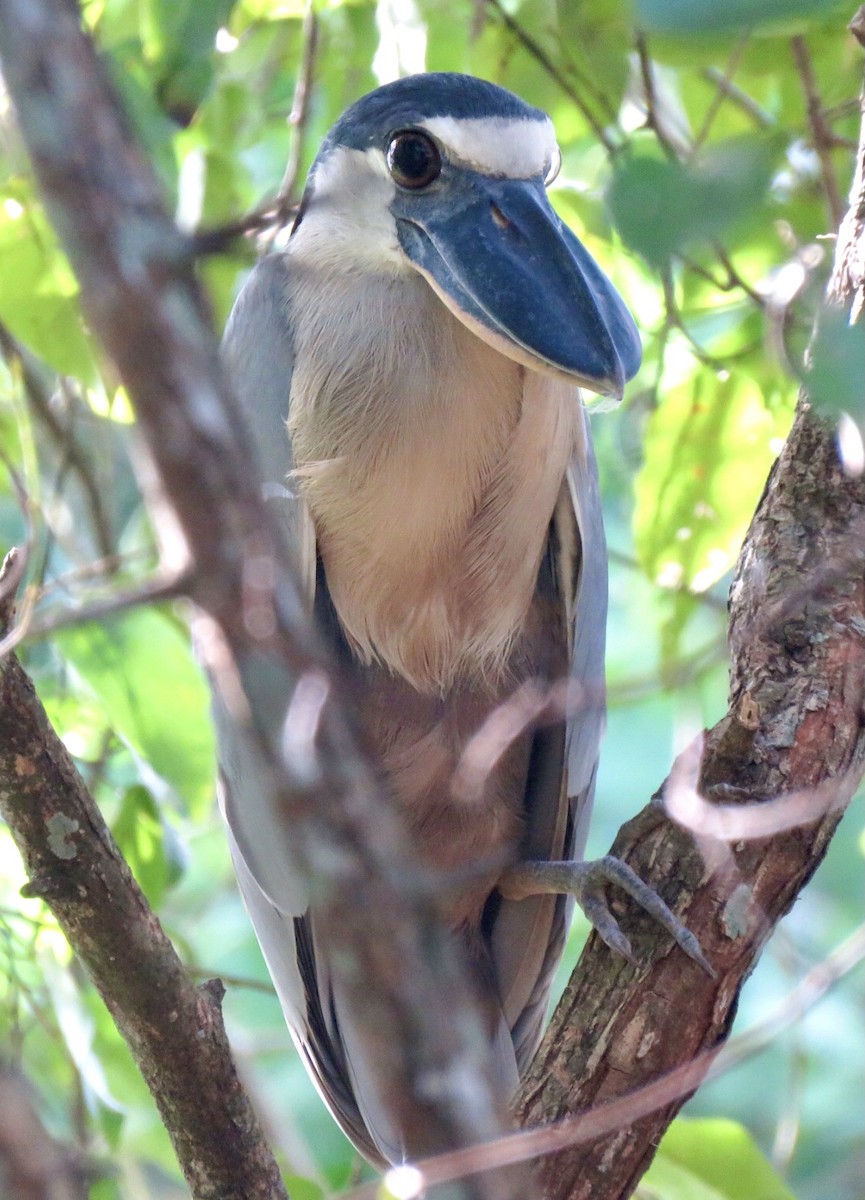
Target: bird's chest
x=431 y=527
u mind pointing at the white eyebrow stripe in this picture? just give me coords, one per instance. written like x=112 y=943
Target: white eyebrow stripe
x=516 y=149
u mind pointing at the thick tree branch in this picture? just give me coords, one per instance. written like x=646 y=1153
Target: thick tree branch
x=376 y=916
x=173 y=1027
x=795 y=724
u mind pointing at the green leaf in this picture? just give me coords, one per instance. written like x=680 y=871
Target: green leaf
x=271 y=10
x=80 y=723
x=152 y=126
x=180 y=36
x=140 y=668
x=667 y=1180
x=708 y=449
x=39 y=293
x=303 y=1189
x=106 y=1188
x=663 y=207
x=139 y=832
x=594 y=41
x=699 y=17
x=836 y=383
x=78 y=1029
x=711 y=1159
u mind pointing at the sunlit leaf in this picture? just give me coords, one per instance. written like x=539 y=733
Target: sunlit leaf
x=141 y=836
x=712 y=1160
x=140 y=667
x=303 y=1189
x=106 y=1188
x=270 y=10
x=78 y=1030
x=39 y=293
x=708 y=450
x=668 y=1180
x=663 y=207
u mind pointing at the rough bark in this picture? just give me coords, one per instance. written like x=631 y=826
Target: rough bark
x=413 y=1006
x=794 y=730
x=174 y=1028
x=795 y=724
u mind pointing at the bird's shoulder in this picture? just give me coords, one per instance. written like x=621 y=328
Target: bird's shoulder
x=258 y=355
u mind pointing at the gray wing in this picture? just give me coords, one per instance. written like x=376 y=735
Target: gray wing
x=258 y=358
x=528 y=936
x=257 y=352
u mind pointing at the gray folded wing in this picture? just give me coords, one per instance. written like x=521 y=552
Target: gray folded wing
x=528 y=936
x=257 y=351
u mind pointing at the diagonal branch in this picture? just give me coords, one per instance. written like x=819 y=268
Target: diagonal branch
x=400 y=974
x=173 y=1027
x=795 y=724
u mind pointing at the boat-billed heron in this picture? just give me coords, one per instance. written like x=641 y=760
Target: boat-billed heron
x=409 y=365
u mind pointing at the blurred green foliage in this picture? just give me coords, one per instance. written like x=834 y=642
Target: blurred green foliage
x=690 y=170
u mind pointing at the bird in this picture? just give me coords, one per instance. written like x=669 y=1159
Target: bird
x=411 y=364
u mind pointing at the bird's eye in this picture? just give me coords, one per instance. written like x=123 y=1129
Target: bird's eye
x=413 y=159
x=554 y=167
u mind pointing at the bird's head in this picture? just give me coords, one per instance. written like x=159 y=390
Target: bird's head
x=446 y=175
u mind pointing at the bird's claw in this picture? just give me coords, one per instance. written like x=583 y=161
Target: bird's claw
x=587 y=883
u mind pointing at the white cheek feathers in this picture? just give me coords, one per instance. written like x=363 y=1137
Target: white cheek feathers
x=347 y=223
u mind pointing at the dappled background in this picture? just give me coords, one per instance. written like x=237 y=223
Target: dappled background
x=705 y=164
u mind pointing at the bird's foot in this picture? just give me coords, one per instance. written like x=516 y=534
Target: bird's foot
x=587 y=883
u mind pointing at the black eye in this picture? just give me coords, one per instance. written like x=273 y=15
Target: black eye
x=413 y=159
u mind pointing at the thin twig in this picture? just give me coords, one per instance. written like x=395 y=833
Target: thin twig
x=299 y=115
x=653 y=120
x=150 y=591
x=217 y=239
x=822 y=135
x=706 y=599
x=100 y=568
x=724 y=85
x=735 y=279
x=687 y=669
x=723 y=91
x=40 y=402
x=677 y=321
x=33 y=1165
x=540 y=55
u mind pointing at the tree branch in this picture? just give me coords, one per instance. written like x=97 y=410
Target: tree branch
x=37 y=392
x=795 y=724
x=821 y=133
x=376 y=916
x=174 y=1028
x=555 y=73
